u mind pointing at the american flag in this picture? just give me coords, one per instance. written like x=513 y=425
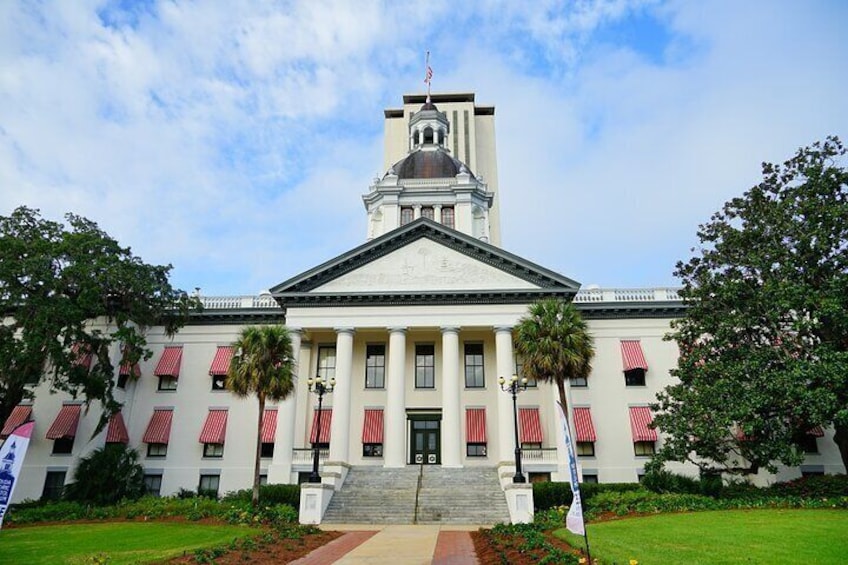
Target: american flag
x=428 y=75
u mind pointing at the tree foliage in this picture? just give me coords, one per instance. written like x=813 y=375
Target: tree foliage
x=263 y=365
x=764 y=342
x=554 y=343
x=55 y=281
x=108 y=475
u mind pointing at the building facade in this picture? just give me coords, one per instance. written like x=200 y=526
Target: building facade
x=415 y=326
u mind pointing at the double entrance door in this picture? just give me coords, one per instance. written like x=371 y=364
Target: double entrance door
x=425 y=440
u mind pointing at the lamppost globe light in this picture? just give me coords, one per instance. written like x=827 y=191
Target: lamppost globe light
x=501 y=381
x=524 y=381
x=333 y=382
x=514 y=378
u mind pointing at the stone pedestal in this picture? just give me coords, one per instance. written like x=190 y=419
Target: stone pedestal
x=314 y=499
x=519 y=498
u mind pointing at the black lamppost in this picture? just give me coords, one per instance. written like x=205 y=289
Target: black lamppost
x=514 y=388
x=320 y=387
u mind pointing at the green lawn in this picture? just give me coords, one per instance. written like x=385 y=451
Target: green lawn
x=123 y=542
x=731 y=536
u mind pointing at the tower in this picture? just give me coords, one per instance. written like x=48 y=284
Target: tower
x=440 y=164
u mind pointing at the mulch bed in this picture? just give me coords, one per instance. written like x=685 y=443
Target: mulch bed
x=282 y=551
x=491 y=551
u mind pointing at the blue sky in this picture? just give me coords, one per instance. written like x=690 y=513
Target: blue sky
x=235 y=139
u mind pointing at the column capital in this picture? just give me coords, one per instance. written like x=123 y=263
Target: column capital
x=398 y=329
x=295 y=330
x=502 y=329
x=345 y=330
x=449 y=329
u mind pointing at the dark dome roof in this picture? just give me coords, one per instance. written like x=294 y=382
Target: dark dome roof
x=429 y=106
x=428 y=165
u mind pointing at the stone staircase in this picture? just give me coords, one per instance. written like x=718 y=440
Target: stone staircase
x=471 y=495
x=419 y=495
x=374 y=495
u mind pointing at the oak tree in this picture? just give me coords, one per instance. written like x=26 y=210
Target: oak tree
x=764 y=342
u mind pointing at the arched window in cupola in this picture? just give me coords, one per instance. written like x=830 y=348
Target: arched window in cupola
x=428 y=135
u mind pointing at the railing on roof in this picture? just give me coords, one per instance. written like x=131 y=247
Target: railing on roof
x=592 y=295
x=627 y=295
x=536 y=455
x=238 y=302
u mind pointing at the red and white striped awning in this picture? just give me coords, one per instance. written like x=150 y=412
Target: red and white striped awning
x=215 y=428
x=372 y=427
x=19 y=415
x=159 y=428
x=326 y=418
x=82 y=355
x=640 y=417
x=169 y=363
x=475 y=425
x=632 y=356
x=66 y=422
x=583 y=424
x=126 y=369
x=117 y=430
x=221 y=362
x=817 y=431
x=529 y=425
x=269 y=425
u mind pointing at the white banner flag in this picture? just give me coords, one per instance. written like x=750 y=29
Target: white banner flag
x=574 y=519
x=11 y=460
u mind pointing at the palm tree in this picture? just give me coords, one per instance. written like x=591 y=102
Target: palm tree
x=555 y=344
x=262 y=365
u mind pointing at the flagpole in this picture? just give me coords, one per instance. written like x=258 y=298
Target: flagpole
x=428 y=74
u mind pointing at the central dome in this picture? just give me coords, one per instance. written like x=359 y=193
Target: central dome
x=428 y=164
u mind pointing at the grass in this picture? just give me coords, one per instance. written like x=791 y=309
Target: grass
x=721 y=537
x=122 y=542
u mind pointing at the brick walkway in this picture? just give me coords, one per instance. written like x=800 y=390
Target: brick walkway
x=397 y=545
x=335 y=550
x=455 y=548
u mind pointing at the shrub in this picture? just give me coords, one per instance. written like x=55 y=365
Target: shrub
x=269 y=495
x=663 y=481
x=817 y=486
x=107 y=475
x=550 y=495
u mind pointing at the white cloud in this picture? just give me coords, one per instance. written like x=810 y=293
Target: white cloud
x=234 y=140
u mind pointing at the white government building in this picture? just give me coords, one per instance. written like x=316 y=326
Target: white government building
x=416 y=327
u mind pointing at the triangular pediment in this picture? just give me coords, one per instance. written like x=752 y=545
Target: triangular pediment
x=425 y=265
x=423 y=262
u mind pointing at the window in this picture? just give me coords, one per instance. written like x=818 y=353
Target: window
x=474 y=366
x=811 y=473
x=327 y=362
x=644 y=448
x=586 y=448
x=425 y=366
x=122 y=380
x=219 y=382
x=375 y=366
x=372 y=449
x=263 y=479
x=531 y=445
x=267 y=449
x=475 y=450
x=213 y=449
x=428 y=136
x=519 y=371
x=579 y=382
x=54 y=484
x=448 y=216
x=406 y=215
x=427 y=212
x=167 y=383
x=153 y=484
x=209 y=485
x=157 y=449
x=63 y=446
x=809 y=444
x=634 y=377
x=590 y=478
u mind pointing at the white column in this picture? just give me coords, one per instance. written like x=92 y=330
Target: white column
x=340 y=426
x=437 y=213
x=506 y=415
x=416 y=211
x=451 y=412
x=281 y=464
x=394 y=426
